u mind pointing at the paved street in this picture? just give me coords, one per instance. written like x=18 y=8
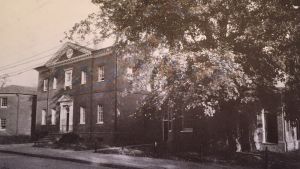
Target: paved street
x=9 y=161
x=47 y=156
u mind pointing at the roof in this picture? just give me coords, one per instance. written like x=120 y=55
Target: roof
x=14 y=89
x=87 y=51
x=58 y=54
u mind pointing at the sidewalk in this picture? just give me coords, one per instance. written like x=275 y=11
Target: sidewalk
x=109 y=160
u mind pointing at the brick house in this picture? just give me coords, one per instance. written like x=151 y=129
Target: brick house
x=17 y=110
x=80 y=90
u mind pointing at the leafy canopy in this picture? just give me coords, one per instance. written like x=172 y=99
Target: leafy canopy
x=217 y=50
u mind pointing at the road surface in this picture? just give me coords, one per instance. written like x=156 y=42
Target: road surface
x=11 y=161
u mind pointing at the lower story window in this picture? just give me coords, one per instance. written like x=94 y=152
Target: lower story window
x=43 y=117
x=82 y=115
x=53 y=116
x=2 y=124
x=100 y=114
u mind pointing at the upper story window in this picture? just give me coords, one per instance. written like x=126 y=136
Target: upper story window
x=100 y=114
x=83 y=77
x=68 y=78
x=45 y=85
x=54 y=83
x=129 y=73
x=43 y=117
x=2 y=124
x=3 y=102
x=82 y=115
x=100 y=73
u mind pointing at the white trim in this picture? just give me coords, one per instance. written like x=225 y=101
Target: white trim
x=263 y=125
x=77 y=59
x=63 y=116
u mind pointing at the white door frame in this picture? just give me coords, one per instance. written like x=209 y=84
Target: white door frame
x=66 y=108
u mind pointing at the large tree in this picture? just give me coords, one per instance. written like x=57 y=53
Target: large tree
x=203 y=54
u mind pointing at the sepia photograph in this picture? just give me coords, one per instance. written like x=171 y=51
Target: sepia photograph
x=150 y=84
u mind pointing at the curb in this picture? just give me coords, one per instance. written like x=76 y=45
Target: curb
x=68 y=159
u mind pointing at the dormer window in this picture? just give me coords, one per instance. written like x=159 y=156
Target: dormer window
x=68 y=78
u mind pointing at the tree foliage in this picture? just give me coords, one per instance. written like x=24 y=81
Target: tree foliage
x=199 y=52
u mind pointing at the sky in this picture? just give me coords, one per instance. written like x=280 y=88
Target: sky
x=30 y=32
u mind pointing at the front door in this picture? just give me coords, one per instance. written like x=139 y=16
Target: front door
x=66 y=117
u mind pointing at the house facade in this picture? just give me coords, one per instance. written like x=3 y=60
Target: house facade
x=80 y=90
x=17 y=110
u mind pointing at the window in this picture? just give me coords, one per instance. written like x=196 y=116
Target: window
x=43 y=117
x=45 y=85
x=100 y=114
x=53 y=116
x=68 y=78
x=4 y=102
x=2 y=124
x=82 y=115
x=83 y=77
x=54 y=83
x=100 y=73
x=187 y=122
x=129 y=73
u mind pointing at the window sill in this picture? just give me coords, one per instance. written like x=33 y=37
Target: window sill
x=187 y=130
x=100 y=80
x=100 y=123
x=81 y=123
x=2 y=129
x=3 y=107
x=268 y=143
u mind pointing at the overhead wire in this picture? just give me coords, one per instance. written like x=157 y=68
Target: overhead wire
x=15 y=73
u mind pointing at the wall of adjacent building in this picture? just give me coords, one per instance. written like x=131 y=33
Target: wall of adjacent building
x=18 y=117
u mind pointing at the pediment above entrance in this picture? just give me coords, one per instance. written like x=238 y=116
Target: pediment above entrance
x=65 y=98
